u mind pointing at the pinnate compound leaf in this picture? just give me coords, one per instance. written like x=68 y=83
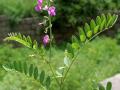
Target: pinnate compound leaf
x=100 y=24
x=22 y=39
x=32 y=70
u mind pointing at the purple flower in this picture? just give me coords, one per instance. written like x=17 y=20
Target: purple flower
x=46 y=39
x=40 y=1
x=52 y=11
x=38 y=7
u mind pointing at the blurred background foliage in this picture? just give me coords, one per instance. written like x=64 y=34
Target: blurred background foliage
x=17 y=9
x=70 y=13
x=98 y=60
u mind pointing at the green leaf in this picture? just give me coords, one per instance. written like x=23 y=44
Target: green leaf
x=89 y=34
x=24 y=38
x=82 y=38
x=29 y=39
x=7 y=67
x=19 y=35
x=70 y=49
x=109 y=86
x=42 y=76
x=109 y=20
x=15 y=65
x=115 y=17
x=96 y=29
x=87 y=27
x=82 y=35
x=75 y=45
x=98 y=20
x=101 y=87
x=74 y=39
x=109 y=23
x=103 y=18
x=92 y=24
x=102 y=25
x=20 y=67
x=109 y=16
x=35 y=44
x=66 y=61
x=48 y=81
x=31 y=70
x=87 y=30
x=25 y=68
x=59 y=74
x=35 y=73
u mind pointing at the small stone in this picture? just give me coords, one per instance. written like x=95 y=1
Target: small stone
x=115 y=80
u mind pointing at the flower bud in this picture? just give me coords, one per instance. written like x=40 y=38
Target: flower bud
x=46 y=39
x=52 y=11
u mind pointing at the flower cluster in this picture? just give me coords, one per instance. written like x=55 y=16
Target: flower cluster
x=51 y=9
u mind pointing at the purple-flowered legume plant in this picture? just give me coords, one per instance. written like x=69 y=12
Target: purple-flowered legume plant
x=85 y=34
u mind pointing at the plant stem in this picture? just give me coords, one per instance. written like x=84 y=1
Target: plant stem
x=50 y=53
x=61 y=81
x=53 y=73
x=74 y=58
x=50 y=38
x=51 y=69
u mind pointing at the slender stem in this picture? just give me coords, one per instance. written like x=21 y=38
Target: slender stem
x=50 y=28
x=50 y=38
x=74 y=58
x=51 y=51
x=61 y=81
x=50 y=67
x=53 y=73
x=61 y=87
x=50 y=54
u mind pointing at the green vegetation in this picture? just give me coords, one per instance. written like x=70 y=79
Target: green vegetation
x=18 y=9
x=97 y=60
x=85 y=35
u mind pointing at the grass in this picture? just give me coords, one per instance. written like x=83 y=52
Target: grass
x=97 y=61
x=16 y=10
